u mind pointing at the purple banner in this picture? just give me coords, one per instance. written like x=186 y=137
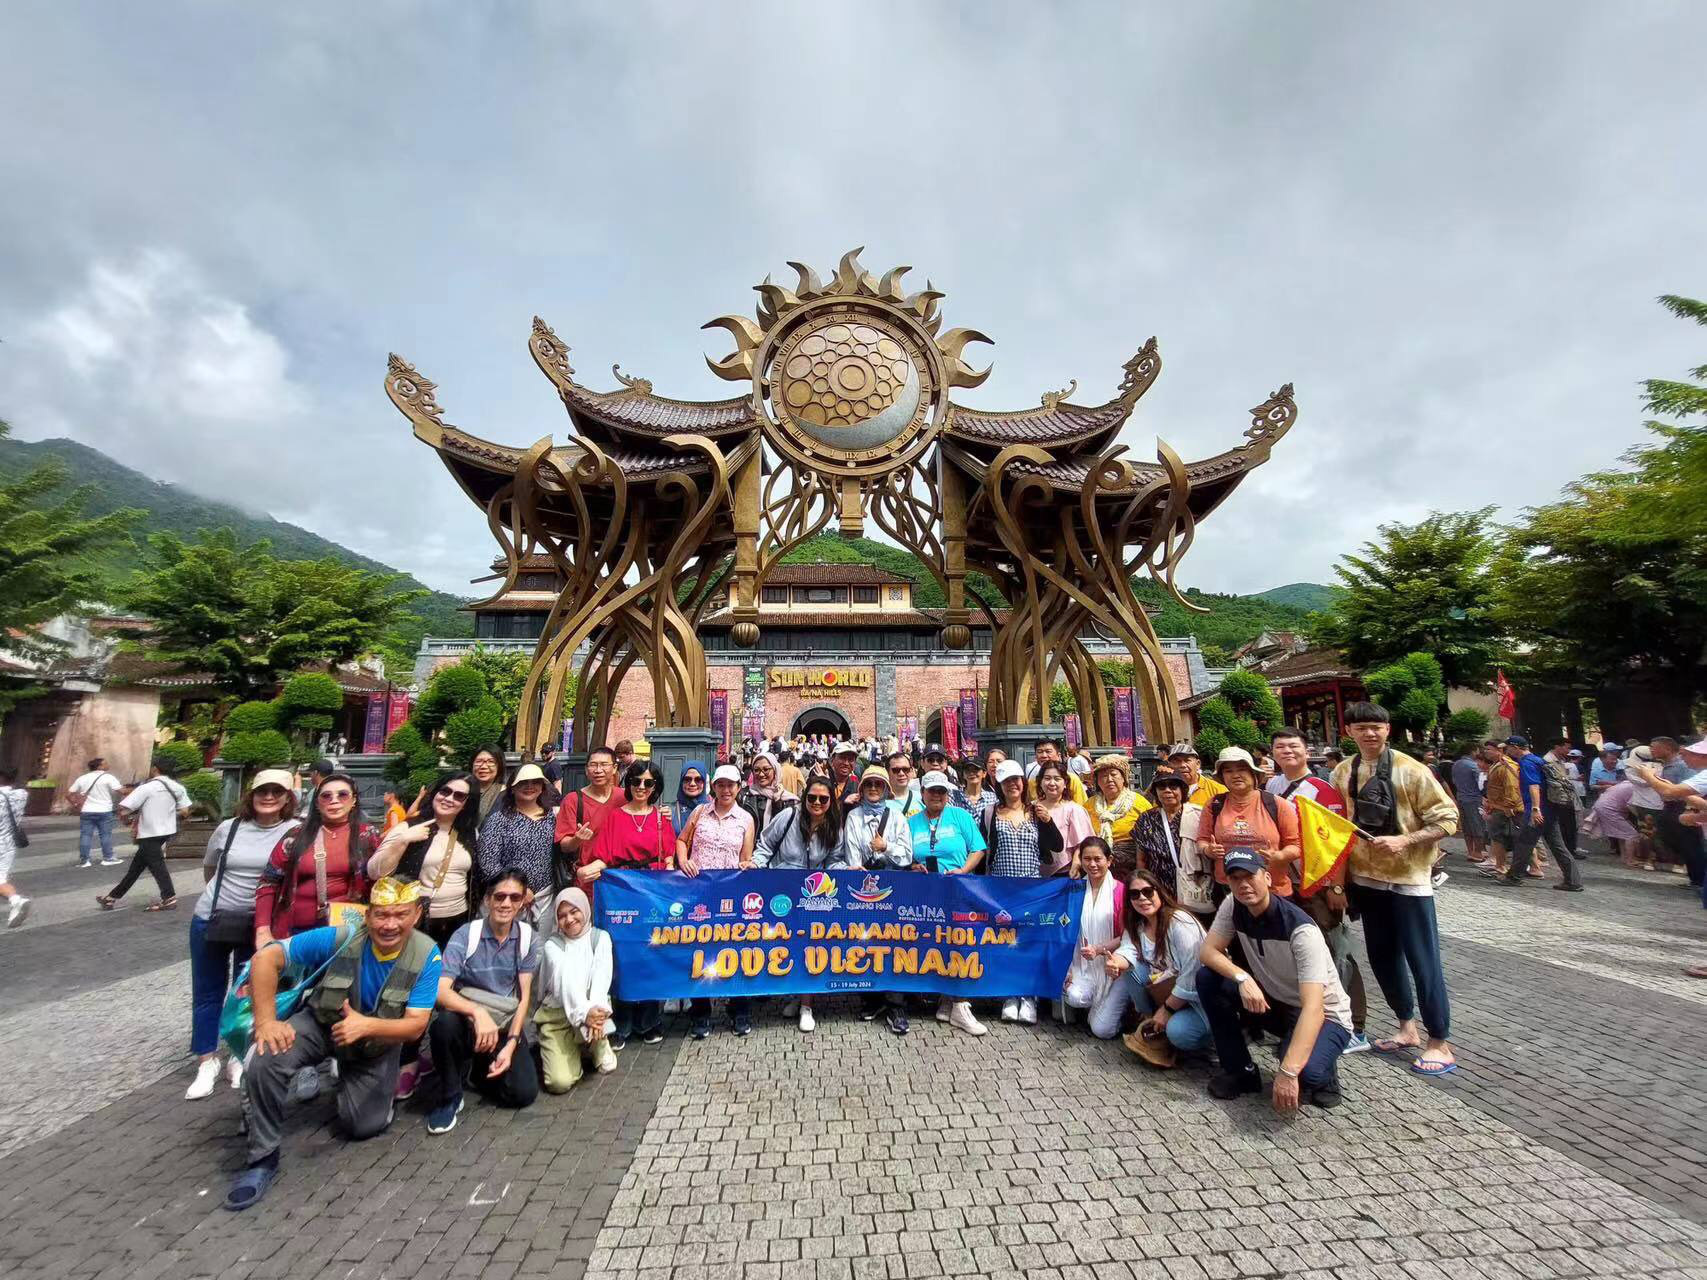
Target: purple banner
x=720 y=715
x=373 y=732
x=969 y=721
x=909 y=730
x=1074 y=736
x=567 y=743
x=1125 y=724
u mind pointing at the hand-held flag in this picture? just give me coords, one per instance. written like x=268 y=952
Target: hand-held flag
x=1325 y=840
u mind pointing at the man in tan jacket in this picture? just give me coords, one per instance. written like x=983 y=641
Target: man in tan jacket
x=1401 y=805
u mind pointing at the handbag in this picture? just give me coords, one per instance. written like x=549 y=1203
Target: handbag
x=237 y=1017
x=19 y=839
x=231 y=928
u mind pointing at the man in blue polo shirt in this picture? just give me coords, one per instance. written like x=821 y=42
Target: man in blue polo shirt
x=1541 y=821
x=376 y=987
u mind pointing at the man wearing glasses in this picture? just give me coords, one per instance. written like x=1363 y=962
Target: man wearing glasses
x=583 y=812
x=903 y=786
x=375 y=992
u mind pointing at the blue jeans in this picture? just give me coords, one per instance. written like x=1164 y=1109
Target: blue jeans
x=1220 y=997
x=1188 y=1030
x=88 y=825
x=213 y=966
x=1404 y=944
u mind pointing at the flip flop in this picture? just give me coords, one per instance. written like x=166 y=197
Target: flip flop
x=1390 y=1045
x=1699 y=971
x=250 y=1186
x=1423 y=1067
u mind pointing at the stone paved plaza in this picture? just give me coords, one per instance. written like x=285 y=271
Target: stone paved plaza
x=1570 y=1143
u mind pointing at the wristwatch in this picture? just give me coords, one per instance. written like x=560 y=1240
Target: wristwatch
x=1241 y=979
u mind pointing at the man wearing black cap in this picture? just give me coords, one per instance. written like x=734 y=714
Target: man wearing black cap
x=1292 y=987
x=936 y=760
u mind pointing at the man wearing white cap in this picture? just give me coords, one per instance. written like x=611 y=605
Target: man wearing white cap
x=844 y=782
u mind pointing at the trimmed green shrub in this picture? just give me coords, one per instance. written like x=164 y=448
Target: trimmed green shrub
x=206 y=789
x=261 y=749
x=180 y=757
x=252 y=717
x=313 y=691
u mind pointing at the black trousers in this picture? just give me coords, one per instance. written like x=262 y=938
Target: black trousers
x=150 y=853
x=457 y=1063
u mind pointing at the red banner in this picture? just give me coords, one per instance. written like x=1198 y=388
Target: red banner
x=951 y=730
x=397 y=714
x=1073 y=733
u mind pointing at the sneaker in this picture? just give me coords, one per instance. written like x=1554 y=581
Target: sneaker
x=1440 y=878
x=442 y=1118
x=19 y=913
x=207 y=1075
x=85 y=866
x=895 y=1018
x=743 y=1025
x=944 y=1010
x=653 y=1036
x=1326 y=1098
x=1232 y=1084
x=1569 y=888
x=1010 y=1011
x=961 y=1019
x=1359 y=1043
x=807 y=1021
x=109 y=862
x=617 y=1043
x=407 y=1079
x=869 y=1012
x=234 y=1072
x=305 y=1085
x=700 y=1030
x=1028 y=1012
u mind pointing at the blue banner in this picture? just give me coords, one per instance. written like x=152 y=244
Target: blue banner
x=754 y=933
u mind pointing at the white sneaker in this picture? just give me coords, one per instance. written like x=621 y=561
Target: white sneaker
x=943 y=1008
x=1010 y=1011
x=1028 y=1012
x=961 y=1019
x=19 y=912
x=110 y=862
x=207 y=1075
x=1359 y=1043
x=807 y=1021
x=234 y=1072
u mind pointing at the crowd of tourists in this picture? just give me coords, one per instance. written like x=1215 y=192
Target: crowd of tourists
x=449 y=944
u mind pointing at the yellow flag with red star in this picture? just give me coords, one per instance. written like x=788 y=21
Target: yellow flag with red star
x=1325 y=839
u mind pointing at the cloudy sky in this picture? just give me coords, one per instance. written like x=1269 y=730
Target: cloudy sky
x=1445 y=224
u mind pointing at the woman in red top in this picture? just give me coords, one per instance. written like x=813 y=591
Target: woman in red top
x=290 y=897
x=636 y=836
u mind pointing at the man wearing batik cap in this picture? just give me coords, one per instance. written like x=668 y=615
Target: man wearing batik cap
x=1183 y=757
x=377 y=984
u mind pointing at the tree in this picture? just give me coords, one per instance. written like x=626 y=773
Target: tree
x=455 y=717
x=248 y=620
x=1606 y=589
x=1466 y=728
x=308 y=705
x=505 y=673
x=1412 y=690
x=1243 y=713
x=1424 y=587
x=43 y=572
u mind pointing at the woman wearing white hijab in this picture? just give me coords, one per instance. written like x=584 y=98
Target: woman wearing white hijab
x=574 y=984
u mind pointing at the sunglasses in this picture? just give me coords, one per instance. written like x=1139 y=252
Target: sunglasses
x=645 y=784
x=817 y=799
x=340 y=794
x=1146 y=892
x=459 y=794
x=270 y=792
x=509 y=897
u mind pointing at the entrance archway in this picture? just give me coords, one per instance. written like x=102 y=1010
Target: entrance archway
x=821 y=720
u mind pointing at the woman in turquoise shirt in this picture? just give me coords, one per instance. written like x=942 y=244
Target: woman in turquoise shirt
x=947 y=839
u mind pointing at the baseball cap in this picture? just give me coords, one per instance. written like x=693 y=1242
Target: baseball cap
x=727 y=773
x=1008 y=769
x=1242 y=860
x=935 y=749
x=935 y=780
x=1697 y=748
x=273 y=778
x=845 y=749
x=1517 y=740
x=1182 y=749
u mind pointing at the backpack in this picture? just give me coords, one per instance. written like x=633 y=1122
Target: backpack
x=1559 y=789
x=1270 y=806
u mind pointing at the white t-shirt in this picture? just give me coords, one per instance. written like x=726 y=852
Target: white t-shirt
x=158 y=801
x=99 y=790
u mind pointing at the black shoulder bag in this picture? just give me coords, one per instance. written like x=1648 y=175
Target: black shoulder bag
x=1374 y=804
x=231 y=928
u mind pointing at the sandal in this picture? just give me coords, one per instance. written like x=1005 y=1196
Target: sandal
x=1697 y=971
x=1390 y=1045
x=165 y=904
x=250 y=1186
x=1424 y=1067
x=107 y=904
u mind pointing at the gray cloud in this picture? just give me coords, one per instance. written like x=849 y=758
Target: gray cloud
x=1445 y=226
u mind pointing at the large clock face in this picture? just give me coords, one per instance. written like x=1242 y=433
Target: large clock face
x=852 y=389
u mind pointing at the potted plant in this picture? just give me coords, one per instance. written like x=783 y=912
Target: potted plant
x=40 y=799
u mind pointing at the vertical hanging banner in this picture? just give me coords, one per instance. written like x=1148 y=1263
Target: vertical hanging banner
x=756 y=933
x=396 y=713
x=373 y=732
x=567 y=742
x=720 y=716
x=951 y=731
x=909 y=730
x=1073 y=733
x=969 y=721
x=1125 y=721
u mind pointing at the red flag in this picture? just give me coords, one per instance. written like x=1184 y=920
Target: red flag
x=1508 y=695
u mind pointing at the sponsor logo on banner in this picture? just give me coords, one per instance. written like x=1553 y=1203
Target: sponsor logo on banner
x=726 y=907
x=871 y=891
x=930 y=915
x=701 y=912
x=1003 y=917
x=676 y=910
x=819 y=892
x=753 y=906
x=781 y=904
x=970 y=917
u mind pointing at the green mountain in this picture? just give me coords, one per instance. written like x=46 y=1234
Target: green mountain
x=171 y=509
x=1231 y=621
x=1311 y=597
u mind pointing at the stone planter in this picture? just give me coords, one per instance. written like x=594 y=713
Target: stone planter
x=191 y=840
x=39 y=802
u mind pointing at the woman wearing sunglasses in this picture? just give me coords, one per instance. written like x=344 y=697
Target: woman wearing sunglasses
x=637 y=836
x=437 y=845
x=1155 y=971
x=222 y=928
x=807 y=838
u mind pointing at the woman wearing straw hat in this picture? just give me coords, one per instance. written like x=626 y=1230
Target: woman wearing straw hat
x=1116 y=808
x=521 y=831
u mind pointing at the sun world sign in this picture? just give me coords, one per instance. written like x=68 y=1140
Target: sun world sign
x=820 y=678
